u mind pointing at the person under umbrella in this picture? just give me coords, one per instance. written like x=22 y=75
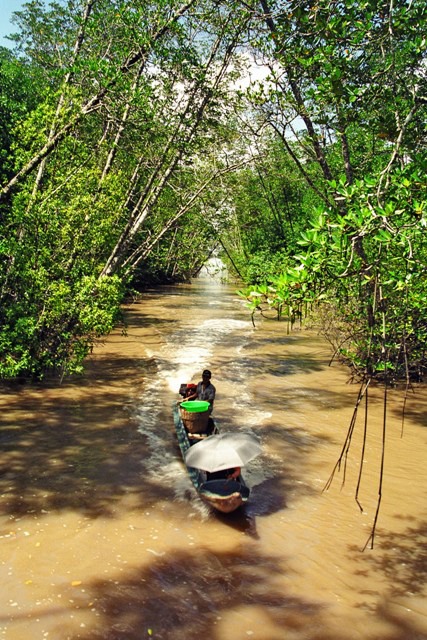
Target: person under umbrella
x=227 y=474
x=223 y=451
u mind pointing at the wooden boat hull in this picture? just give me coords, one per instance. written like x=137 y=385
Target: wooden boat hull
x=224 y=495
x=220 y=494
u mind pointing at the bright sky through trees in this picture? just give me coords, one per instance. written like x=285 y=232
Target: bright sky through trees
x=7 y=7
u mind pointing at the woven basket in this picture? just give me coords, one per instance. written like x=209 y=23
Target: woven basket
x=195 y=422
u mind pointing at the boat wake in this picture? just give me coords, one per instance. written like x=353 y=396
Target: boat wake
x=179 y=357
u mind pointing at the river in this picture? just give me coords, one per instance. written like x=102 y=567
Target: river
x=103 y=537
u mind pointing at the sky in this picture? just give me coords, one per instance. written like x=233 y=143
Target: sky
x=7 y=7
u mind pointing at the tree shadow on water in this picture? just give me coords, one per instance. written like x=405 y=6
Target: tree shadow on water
x=76 y=446
x=185 y=597
x=73 y=446
x=271 y=364
x=401 y=558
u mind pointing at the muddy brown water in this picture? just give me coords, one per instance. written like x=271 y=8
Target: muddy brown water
x=102 y=535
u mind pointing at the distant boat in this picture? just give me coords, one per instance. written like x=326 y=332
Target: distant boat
x=221 y=494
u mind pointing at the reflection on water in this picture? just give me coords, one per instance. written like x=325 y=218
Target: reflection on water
x=103 y=536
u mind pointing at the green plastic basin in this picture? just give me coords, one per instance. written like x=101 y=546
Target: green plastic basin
x=195 y=406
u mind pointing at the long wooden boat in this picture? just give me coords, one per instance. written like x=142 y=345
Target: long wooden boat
x=221 y=494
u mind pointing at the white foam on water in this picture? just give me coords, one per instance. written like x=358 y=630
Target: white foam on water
x=181 y=358
x=223 y=325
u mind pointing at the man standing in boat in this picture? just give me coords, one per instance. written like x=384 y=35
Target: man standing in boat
x=205 y=389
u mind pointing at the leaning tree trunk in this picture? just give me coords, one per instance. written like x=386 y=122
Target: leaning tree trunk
x=93 y=103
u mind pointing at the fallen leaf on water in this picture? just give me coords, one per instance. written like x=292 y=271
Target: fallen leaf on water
x=75 y=583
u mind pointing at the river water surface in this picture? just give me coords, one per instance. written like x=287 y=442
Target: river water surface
x=103 y=537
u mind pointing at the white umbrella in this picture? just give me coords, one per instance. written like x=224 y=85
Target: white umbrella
x=223 y=451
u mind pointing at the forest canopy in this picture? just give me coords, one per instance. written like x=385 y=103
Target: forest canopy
x=137 y=139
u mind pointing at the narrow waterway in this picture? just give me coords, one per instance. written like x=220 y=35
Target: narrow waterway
x=103 y=537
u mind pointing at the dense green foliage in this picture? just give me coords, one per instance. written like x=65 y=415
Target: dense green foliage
x=131 y=151
x=348 y=101
x=20 y=91
x=108 y=163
